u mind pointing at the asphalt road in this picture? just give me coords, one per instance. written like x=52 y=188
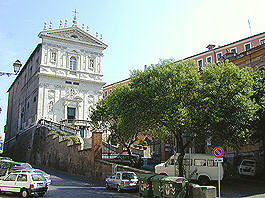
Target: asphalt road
x=67 y=186
x=248 y=187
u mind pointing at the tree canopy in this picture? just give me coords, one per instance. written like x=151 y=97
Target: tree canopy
x=171 y=93
x=227 y=103
x=173 y=99
x=116 y=114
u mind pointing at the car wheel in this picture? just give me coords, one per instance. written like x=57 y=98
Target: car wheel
x=107 y=186
x=24 y=193
x=118 y=188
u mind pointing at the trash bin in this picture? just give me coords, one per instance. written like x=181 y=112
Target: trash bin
x=157 y=186
x=144 y=183
x=175 y=187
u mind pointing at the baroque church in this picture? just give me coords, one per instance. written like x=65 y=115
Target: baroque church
x=60 y=82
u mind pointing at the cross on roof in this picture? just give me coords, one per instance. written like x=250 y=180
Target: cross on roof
x=75 y=12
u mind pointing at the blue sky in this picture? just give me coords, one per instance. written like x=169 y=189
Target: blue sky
x=138 y=32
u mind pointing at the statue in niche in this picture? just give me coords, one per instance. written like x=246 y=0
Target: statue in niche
x=50 y=106
x=53 y=58
x=91 y=63
x=98 y=66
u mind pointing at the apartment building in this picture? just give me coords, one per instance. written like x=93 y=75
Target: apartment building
x=214 y=54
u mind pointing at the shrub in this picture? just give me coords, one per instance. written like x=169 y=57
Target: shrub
x=75 y=140
x=51 y=132
x=65 y=138
x=63 y=134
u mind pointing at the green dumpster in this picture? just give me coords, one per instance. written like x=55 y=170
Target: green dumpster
x=175 y=187
x=144 y=183
x=157 y=186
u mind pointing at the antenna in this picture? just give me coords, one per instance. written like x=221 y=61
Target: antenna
x=249 y=26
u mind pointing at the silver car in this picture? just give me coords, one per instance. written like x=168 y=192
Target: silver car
x=122 y=181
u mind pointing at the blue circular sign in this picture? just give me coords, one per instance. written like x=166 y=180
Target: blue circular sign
x=218 y=152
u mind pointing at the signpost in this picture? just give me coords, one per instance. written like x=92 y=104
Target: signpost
x=218 y=153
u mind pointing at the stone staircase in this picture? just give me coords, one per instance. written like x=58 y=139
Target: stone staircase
x=60 y=128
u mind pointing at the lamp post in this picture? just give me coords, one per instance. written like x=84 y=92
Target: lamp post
x=17 y=64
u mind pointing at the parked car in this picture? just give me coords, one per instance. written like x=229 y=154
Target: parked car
x=5 y=158
x=7 y=166
x=46 y=175
x=26 y=184
x=247 y=167
x=122 y=181
x=124 y=159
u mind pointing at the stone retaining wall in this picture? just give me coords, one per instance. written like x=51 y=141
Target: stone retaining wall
x=51 y=151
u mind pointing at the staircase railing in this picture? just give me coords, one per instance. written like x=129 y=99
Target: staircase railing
x=72 y=131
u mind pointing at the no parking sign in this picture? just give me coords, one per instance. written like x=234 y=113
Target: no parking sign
x=218 y=153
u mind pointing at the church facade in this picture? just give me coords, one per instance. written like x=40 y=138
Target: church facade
x=60 y=82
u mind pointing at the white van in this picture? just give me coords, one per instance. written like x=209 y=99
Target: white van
x=201 y=168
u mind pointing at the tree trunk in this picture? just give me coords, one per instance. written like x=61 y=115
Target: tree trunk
x=263 y=144
x=130 y=154
x=181 y=156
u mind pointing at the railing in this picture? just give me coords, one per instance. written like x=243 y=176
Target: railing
x=59 y=127
x=108 y=148
x=75 y=122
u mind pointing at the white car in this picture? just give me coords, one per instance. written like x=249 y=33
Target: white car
x=7 y=166
x=24 y=183
x=122 y=181
x=247 y=167
x=46 y=175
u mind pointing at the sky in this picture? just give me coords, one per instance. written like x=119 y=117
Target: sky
x=137 y=32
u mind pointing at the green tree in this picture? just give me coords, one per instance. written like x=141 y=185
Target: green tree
x=259 y=95
x=227 y=104
x=117 y=114
x=169 y=95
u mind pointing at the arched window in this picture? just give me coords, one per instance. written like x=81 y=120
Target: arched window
x=73 y=63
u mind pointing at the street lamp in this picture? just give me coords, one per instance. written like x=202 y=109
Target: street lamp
x=17 y=64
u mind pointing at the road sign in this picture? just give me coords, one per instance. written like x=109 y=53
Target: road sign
x=218 y=152
x=1 y=147
x=218 y=159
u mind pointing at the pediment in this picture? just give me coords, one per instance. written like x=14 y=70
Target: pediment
x=72 y=95
x=73 y=34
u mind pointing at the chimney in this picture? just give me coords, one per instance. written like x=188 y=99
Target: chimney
x=210 y=47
